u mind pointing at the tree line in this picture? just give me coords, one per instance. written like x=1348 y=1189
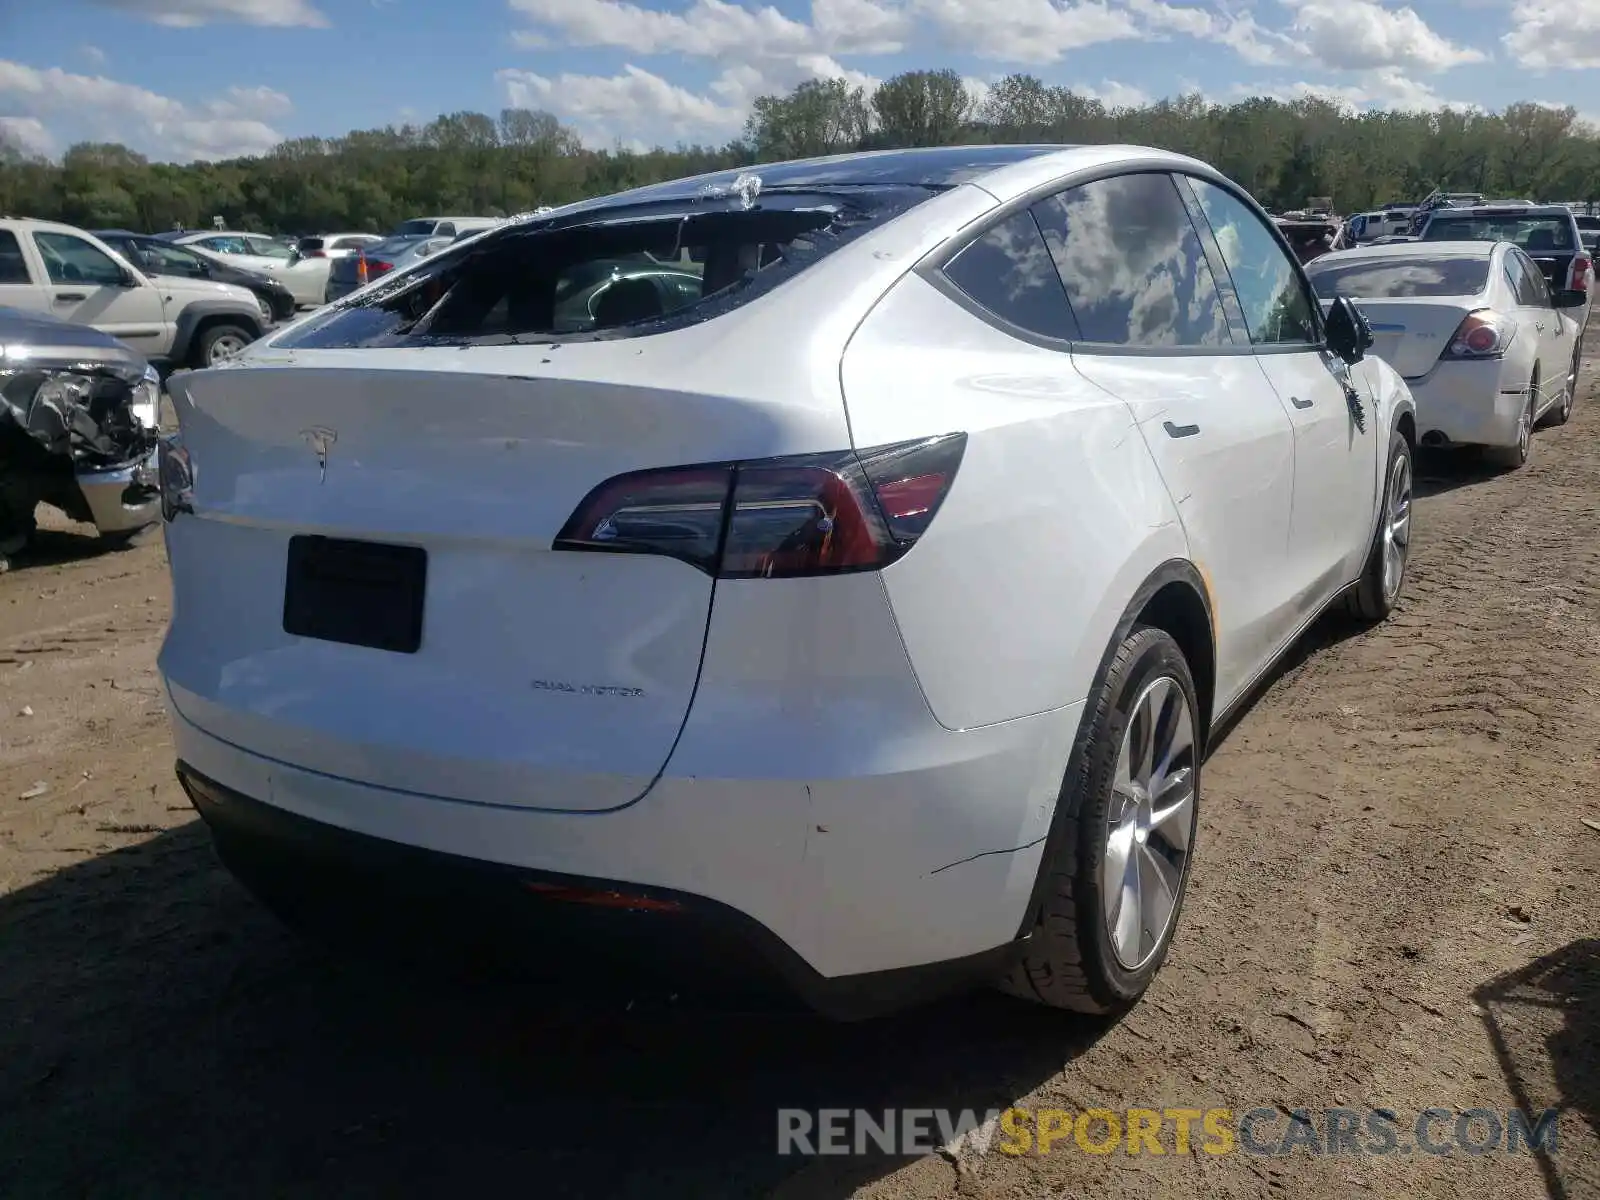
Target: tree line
x=472 y=163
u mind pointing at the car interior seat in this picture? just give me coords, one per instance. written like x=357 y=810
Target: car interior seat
x=626 y=301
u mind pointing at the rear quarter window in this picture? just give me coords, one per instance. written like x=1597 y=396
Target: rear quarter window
x=1008 y=273
x=535 y=281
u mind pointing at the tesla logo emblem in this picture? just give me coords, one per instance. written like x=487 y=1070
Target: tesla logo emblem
x=320 y=440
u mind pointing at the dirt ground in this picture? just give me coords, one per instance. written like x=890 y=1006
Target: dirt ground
x=1393 y=906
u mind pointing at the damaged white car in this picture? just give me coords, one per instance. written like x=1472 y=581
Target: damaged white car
x=78 y=425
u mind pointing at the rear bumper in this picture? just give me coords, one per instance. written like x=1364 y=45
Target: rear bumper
x=858 y=892
x=562 y=926
x=1463 y=401
x=122 y=499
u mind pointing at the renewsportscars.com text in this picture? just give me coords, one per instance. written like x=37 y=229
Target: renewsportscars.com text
x=1269 y=1132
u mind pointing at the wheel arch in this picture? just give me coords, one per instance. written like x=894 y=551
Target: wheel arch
x=1175 y=598
x=198 y=316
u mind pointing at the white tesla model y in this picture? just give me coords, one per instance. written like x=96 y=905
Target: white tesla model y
x=830 y=572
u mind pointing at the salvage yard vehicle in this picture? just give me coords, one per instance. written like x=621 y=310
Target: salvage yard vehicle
x=351 y=272
x=1547 y=233
x=64 y=272
x=1486 y=348
x=860 y=620
x=158 y=256
x=78 y=423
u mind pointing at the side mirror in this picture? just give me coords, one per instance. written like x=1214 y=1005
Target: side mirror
x=1568 y=298
x=127 y=279
x=1349 y=335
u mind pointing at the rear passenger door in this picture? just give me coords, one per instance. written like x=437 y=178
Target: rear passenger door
x=1152 y=330
x=1537 y=319
x=1336 y=456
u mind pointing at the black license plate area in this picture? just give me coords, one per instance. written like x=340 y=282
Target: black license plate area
x=358 y=593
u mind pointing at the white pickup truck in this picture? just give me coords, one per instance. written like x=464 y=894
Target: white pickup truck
x=67 y=273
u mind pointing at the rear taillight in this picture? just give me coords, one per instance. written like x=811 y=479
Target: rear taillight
x=376 y=267
x=777 y=517
x=1581 y=273
x=1482 y=334
x=175 y=471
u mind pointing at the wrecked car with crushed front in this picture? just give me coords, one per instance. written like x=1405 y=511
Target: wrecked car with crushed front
x=79 y=413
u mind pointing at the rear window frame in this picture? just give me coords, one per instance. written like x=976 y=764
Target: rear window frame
x=1445 y=216
x=359 y=320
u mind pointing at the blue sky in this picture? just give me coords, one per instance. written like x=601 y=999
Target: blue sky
x=184 y=79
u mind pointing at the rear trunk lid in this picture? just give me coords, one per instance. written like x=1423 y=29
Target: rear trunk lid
x=1410 y=334
x=543 y=679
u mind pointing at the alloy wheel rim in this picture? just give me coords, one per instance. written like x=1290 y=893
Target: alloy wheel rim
x=225 y=347
x=1397 y=527
x=1149 y=823
x=1525 y=428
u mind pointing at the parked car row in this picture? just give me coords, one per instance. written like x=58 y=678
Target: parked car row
x=87 y=318
x=177 y=320
x=1483 y=315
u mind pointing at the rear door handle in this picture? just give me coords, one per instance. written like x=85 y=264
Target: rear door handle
x=1180 y=431
x=1299 y=403
x=69 y=297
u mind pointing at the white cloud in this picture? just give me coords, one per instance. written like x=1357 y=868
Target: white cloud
x=1375 y=52
x=261 y=103
x=1030 y=32
x=101 y=109
x=604 y=109
x=94 y=54
x=28 y=134
x=1354 y=35
x=708 y=28
x=739 y=86
x=1386 y=88
x=1114 y=95
x=184 y=14
x=1555 y=33
x=1239 y=31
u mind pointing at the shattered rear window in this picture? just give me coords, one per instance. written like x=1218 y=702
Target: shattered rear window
x=608 y=271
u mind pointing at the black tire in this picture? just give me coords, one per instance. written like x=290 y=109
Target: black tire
x=1562 y=412
x=1371 y=599
x=210 y=336
x=1070 y=962
x=1513 y=457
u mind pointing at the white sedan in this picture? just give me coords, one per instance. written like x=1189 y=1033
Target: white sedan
x=855 y=606
x=1485 y=347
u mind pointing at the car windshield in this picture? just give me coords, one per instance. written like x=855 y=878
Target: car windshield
x=1533 y=234
x=607 y=272
x=1396 y=278
x=421 y=227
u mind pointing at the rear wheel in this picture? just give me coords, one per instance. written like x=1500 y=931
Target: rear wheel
x=1563 y=409
x=1117 y=861
x=1515 y=455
